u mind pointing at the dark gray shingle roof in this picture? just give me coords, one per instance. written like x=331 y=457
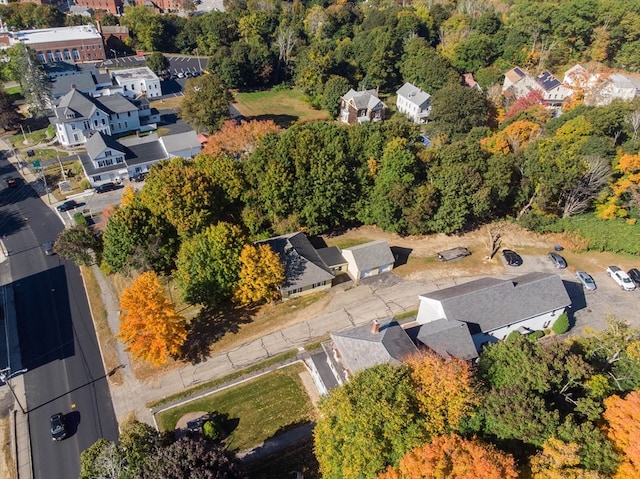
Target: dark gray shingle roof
x=491 y=303
x=448 y=338
x=361 y=348
x=331 y=256
x=303 y=266
x=100 y=142
x=371 y=255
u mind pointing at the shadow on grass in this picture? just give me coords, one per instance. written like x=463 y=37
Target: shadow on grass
x=284 y=121
x=210 y=326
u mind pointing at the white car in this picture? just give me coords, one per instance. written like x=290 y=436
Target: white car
x=621 y=278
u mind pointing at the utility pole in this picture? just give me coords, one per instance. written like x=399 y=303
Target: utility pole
x=4 y=377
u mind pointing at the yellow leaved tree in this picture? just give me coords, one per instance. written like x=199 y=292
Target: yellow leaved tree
x=560 y=460
x=149 y=324
x=261 y=273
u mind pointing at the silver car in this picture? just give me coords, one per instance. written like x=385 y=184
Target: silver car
x=586 y=280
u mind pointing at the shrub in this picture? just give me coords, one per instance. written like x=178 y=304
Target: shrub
x=80 y=219
x=513 y=335
x=561 y=325
x=212 y=430
x=533 y=337
x=85 y=185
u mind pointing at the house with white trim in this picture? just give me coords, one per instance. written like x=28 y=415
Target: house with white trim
x=414 y=103
x=136 y=82
x=368 y=259
x=519 y=83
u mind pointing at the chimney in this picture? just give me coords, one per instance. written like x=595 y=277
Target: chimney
x=375 y=326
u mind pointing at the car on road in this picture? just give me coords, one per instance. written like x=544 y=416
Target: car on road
x=104 y=187
x=586 y=280
x=511 y=257
x=66 y=206
x=557 y=260
x=621 y=278
x=58 y=427
x=634 y=274
x=11 y=181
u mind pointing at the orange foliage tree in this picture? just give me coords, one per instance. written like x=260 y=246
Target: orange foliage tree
x=453 y=457
x=445 y=390
x=625 y=191
x=261 y=273
x=237 y=139
x=149 y=324
x=623 y=417
x=559 y=460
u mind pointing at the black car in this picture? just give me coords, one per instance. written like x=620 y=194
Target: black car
x=634 y=274
x=104 y=187
x=139 y=177
x=58 y=427
x=66 y=206
x=11 y=182
x=511 y=257
x=557 y=260
x=48 y=248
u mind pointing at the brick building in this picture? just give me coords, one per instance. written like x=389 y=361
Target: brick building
x=115 y=7
x=71 y=44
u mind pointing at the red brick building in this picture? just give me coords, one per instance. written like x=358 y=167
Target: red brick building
x=112 y=6
x=71 y=44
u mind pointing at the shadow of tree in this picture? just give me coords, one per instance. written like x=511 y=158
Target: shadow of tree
x=285 y=121
x=209 y=326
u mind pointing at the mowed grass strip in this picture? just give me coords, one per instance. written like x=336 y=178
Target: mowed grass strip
x=272 y=104
x=261 y=407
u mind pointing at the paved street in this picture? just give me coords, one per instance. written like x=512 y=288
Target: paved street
x=50 y=333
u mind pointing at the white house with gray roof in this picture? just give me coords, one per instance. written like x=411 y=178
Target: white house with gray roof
x=368 y=259
x=78 y=116
x=414 y=103
x=492 y=308
x=305 y=270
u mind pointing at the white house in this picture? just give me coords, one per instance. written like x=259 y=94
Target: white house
x=519 y=83
x=136 y=82
x=414 y=103
x=492 y=308
x=368 y=259
x=600 y=87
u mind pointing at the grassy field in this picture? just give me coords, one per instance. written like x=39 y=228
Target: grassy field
x=255 y=410
x=283 y=107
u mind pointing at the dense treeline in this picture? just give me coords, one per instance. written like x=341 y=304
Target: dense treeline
x=560 y=408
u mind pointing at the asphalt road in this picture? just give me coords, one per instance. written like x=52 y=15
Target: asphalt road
x=57 y=340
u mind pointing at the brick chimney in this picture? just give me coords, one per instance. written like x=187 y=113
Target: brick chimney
x=375 y=326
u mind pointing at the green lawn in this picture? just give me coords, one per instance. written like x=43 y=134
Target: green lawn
x=32 y=138
x=260 y=407
x=282 y=106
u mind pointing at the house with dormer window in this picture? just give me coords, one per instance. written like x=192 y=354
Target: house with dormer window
x=361 y=107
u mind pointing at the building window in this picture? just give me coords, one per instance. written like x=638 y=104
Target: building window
x=126 y=124
x=120 y=159
x=129 y=114
x=108 y=153
x=41 y=57
x=58 y=56
x=67 y=55
x=104 y=122
x=49 y=57
x=95 y=122
x=103 y=163
x=97 y=178
x=75 y=137
x=76 y=54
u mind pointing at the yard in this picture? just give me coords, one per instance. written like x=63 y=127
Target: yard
x=255 y=410
x=282 y=106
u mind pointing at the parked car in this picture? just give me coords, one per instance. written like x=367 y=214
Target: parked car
x=557 y=260
x=104 y=187
x=48 y=248
x=58 y=427
x=139 y=177
x=586 y=280
x=634 y=274
x=511 y=257
x=11 y=182
x=621 y=278
x=66 y=206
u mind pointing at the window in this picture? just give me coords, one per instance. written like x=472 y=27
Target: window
x=108 y=153
x=76 y=54
x=73 y=126
x=58 y=56
x=102 y=163
x=41 y=57
x=75 y=137
x=546 y=324
x=129 y=114
x=97 y=178
x=120 y=159
x=86 y=125
x=67 y=55
x=126 y=124
x=104 y=122
x=49 y=57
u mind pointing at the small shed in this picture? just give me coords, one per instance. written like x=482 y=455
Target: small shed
x=368 y=259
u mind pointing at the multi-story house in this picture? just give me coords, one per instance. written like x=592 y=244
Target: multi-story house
x=414 y=103
x=361 y=106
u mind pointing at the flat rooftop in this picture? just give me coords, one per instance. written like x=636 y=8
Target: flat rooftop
x=59 y=34
x=140 y=73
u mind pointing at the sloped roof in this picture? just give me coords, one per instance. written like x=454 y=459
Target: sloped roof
x=414 y=94
x=83 y=81
x=547 y=80
x=371 y=255
x=448 y=338
x=361 y=348
x=331 y=256
x=515 y=74
x=115 y=103
x=365 y=99
x=100 y=142
x=77 y=102
x=492 y=303
x=303 y=266
x=181 y=141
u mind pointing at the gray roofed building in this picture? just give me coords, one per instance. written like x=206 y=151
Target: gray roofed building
x=361 y=106
x=116 y=104
x=100 y=142
x=414 y=103
x=448 y=338
x=368 y=259
x=492 y=308
x=305 y=272
x=333 y=258
x=368 y=345
x=184 y=144
x=81 y=81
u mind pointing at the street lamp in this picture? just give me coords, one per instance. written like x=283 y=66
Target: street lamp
x=4 y=377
